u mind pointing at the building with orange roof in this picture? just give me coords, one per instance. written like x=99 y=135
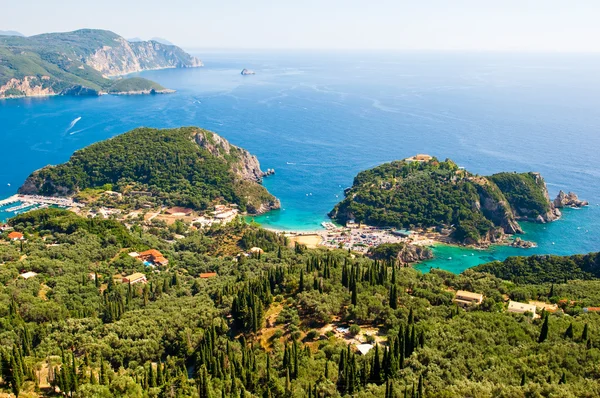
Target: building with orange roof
x=14 y=235
x=154 y=257
x=207 y=275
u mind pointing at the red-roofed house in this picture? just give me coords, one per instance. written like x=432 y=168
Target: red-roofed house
x=207 y=275
x=14 y=235
x=153 y=256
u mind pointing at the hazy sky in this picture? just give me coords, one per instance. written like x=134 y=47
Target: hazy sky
x=514 y=25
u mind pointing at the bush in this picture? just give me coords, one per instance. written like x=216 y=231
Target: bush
x=354 y=330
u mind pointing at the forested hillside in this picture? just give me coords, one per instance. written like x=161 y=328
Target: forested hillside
x=413 y=194
x=177 y=166
x=281 y=323
x=545 y=269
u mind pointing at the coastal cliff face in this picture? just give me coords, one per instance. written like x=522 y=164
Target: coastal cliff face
x=528 y=195
x=243 y=164
x=31 y=86
x=187 y=166
x=124 y=57
x=496 y=208
x=55 y=63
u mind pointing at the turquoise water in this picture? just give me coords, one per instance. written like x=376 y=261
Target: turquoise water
x=319 y=118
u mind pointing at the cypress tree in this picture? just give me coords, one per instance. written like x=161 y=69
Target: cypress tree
x=544 y=331
x=354 y=295
x=421 y=386
x=376 y=369
x=523 y=379
x=569 y=332
x=563 y=379
x=103 y=375
x=301 y=283
x=393 y=297
x=585 y=333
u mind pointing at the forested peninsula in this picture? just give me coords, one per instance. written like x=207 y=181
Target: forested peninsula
x=423 y=192
x=188 y=167
x=82 y=63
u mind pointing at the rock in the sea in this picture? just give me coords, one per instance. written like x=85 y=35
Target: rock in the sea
x=246 y=72
x=523 y=244
x=569 y=200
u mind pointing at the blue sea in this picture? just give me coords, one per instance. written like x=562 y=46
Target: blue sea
x=318 y=118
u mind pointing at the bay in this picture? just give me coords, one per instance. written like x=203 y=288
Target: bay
x=319 y=118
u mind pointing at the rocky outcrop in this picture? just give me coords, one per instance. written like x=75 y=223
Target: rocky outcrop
x=402 y=253
x=522 y=244
x=495 y=207
x=28 y=86
x=242 y=163
x=569 y=200
x=413 y=254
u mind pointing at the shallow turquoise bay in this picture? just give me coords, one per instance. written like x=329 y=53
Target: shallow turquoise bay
x=320 y=118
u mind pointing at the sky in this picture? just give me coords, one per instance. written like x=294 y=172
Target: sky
x=450 y=25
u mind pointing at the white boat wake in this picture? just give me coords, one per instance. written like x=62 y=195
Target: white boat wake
x=73 y=123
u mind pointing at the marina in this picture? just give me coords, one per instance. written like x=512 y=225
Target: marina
x=19 y=204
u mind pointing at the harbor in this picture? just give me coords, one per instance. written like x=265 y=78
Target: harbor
x=18 y=204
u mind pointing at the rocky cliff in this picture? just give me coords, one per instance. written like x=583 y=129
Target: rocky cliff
x=528 y=196
x=54 y=63
x=243 y=164
x=401 y=253
x=123 y=57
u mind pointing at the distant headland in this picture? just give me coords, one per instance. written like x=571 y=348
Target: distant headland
x=84 y=62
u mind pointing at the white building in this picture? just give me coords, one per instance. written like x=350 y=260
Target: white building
x=521 y=308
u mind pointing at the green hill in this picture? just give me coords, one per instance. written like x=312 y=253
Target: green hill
x=54 y=62
x=185 y=166
x=408 y=194
x=545 y=269
x=135 y=84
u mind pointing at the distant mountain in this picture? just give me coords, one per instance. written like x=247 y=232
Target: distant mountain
x=162 y=41
x=11 y=33
x=55 y=63
x=156 y=39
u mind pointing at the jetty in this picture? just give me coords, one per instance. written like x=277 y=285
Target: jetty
x=10 y=200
